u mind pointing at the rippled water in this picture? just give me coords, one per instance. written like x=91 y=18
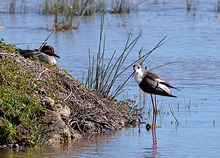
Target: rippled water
x=194 y=45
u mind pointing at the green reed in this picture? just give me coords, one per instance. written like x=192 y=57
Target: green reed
x=65 y=11
x=121 y=6
x=87 y=7
x=217 y=7
x=188 y=5
x=12 y=7
x=192 y=5
x=100 y=6
x=73 y=7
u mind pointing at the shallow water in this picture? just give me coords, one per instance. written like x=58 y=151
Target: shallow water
x=193 y=45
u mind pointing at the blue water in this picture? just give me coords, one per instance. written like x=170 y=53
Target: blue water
x=192 y=42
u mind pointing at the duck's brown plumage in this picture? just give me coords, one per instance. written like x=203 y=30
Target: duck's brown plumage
x=28 y=53
x=49 y=50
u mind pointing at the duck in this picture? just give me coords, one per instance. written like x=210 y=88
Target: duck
x=45 y=54
x=152 y=84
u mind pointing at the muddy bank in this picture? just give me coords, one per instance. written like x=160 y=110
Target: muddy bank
x=61 y=108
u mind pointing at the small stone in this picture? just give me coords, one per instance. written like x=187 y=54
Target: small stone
x=49 y=102
x=64 y=111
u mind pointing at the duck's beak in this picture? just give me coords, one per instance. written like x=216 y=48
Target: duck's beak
x=56 y=55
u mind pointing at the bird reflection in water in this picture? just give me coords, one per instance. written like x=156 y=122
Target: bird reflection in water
x=153 y=128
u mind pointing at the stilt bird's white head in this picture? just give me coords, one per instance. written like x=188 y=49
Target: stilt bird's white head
x=138 y=74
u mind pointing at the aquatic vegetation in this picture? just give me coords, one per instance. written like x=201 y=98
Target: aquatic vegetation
x=177 y=122
x=188 y=4
x=122 y=6
x=73 y=7
x=65 y=11
x=88 y=7
x=100 y=6
x=217 y=7
x=13 y=8
x=191 y=4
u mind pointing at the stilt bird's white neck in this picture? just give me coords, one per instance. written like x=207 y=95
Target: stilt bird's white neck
x=138 y=74
x=138 y=77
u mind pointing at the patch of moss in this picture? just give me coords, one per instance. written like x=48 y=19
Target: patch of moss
x=19 y=103
x=8 y=48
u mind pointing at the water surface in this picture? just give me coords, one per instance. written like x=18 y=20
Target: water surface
x=194 y=45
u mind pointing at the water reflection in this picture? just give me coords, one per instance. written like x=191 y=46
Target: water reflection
x=154 y=137
x=152 y=128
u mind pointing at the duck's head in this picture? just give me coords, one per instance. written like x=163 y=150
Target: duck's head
x=49 y=50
